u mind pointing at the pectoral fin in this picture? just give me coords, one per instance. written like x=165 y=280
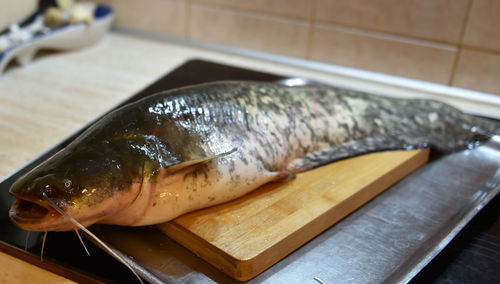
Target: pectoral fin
x=197 y=161
x=284 y=176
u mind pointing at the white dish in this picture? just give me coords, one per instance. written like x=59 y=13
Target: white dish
x=66 y=37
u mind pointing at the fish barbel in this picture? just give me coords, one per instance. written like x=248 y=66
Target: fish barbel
x=194 y=147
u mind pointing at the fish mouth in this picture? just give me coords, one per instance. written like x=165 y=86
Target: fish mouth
x=32 y=214
x=23 y=210
x=36 y=215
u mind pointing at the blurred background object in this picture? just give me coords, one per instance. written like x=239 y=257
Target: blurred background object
x=15 y=11
x=450 y=42
x=54 y=25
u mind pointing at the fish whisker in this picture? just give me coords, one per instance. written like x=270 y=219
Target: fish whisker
x=89 y=233
x=26 y=241
x=43 y=245
x=81 y=241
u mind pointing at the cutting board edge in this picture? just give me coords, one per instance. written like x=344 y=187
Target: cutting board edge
x=217 y=257
x=244 y=269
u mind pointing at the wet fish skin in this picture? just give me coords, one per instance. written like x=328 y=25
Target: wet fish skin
x=194 y=147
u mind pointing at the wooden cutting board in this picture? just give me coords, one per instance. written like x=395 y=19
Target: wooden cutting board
x=248 y=235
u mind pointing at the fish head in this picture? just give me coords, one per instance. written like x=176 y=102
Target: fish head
x=87 y=184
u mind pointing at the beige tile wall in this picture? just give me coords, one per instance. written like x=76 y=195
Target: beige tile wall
x=453 y=42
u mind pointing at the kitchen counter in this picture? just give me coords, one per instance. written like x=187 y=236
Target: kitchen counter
x=60 y=92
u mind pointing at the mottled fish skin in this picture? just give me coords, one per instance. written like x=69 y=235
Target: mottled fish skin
x=277 y=124
x=194 y=147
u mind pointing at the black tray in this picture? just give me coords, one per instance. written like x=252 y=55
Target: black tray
x=470 y=256
x=63 y=252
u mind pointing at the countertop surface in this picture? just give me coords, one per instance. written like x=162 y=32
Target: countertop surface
x=60 y=92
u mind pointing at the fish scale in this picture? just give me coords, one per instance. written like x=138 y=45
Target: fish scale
x=194 y=147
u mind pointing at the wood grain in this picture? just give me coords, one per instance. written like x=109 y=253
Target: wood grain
x=14 y=270
x=246 y=236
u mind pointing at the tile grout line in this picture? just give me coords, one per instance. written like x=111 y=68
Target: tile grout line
x=315 y=21
x=417 y=41
x=236 y=9
x=187 y=20
x=312 y=23
x=454 y=66
x=480 y=49
x=255 y=13
x=372 y=30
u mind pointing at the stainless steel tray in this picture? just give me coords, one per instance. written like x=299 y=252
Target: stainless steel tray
x=389 y=240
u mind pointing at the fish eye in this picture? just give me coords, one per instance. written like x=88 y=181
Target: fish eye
x=67 y=183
